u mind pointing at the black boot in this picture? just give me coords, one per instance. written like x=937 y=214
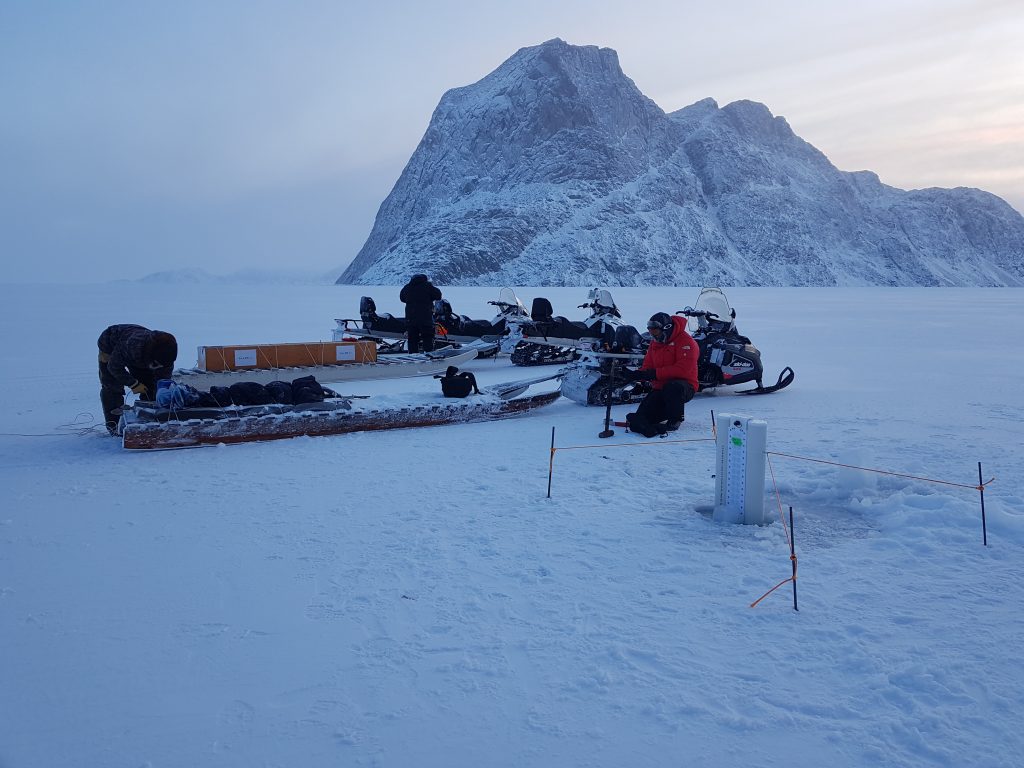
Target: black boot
x=112 y=401
x=641 y=426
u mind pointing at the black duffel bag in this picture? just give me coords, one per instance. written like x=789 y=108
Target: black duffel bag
x=455 y=384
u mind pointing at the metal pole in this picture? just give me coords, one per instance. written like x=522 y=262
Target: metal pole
x=608 y=431
x=792 y=555
x=981 y=490
x=551 y=461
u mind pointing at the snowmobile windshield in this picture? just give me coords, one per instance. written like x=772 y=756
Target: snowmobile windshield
x=710 y=300
x=601 y=301
x=507 y=298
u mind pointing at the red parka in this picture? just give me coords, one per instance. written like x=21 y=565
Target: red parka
x=675 y=358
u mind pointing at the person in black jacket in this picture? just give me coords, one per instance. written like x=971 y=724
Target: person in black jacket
x=419 y=295
x=135 y=358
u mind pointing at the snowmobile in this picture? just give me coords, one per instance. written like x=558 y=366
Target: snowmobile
x=727 y=358
x=463 y=329
x=545 y=338
x=449 y=329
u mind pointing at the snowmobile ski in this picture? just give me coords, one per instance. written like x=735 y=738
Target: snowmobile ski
x=785 y=379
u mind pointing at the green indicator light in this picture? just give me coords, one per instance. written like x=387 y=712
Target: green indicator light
x=737 y=441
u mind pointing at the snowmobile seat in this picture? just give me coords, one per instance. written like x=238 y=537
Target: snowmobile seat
x=627 y=339
x=563 y=328
x=387 y=322
x=541 y=310
x=384 y=321
x=367 y=308
x=481 y=328
x=443 y=309
x=445 y=317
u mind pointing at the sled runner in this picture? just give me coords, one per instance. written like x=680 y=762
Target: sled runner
x=145 y=426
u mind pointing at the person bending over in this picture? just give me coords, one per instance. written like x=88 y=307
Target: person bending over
x=671 y=366
x=135 y=358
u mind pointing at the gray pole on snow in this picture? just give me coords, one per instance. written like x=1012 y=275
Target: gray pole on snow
x=608 y=431
x=792 y=555
x=981 y=490
x=551 y=461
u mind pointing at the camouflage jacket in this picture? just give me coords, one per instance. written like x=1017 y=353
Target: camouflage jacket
x=126 y=347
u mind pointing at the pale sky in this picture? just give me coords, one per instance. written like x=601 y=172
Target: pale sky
x=223 y=135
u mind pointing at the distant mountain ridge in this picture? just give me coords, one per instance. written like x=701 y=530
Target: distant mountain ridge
x=556 y=170
x=240 y=277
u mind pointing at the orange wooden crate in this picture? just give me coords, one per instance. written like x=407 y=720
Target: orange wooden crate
x=266 y=356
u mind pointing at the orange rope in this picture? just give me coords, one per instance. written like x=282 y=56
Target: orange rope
x=762 y=597
x=633 y=445
x=782 y=516
x=775 y=485
x=778 y=500
x=785 y=528
x=980 y=487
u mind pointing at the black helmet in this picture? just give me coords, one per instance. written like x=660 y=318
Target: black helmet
x=662 y=322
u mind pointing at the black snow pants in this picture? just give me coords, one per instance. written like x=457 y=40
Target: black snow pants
x=421 y=338
x=667 y=404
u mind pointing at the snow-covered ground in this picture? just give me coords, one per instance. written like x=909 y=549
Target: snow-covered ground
x=412 y=598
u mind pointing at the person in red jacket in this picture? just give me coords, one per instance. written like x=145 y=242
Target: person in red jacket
x=671 y=365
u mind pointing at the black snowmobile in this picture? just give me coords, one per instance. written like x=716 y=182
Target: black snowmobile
x=449 y=329
x=546 y=338
x=727 y=358
x=463 y=329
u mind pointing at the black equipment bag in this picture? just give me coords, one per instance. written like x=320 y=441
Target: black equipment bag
x=455 y=384
x=307 y=390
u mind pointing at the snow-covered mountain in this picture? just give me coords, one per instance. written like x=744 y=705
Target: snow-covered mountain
x=556 y=170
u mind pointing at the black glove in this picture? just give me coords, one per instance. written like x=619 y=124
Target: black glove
x=641 y=375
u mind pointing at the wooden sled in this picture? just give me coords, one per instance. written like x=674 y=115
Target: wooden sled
x=150 y=428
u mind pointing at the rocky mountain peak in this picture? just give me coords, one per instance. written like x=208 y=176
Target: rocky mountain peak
x=555 y=169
